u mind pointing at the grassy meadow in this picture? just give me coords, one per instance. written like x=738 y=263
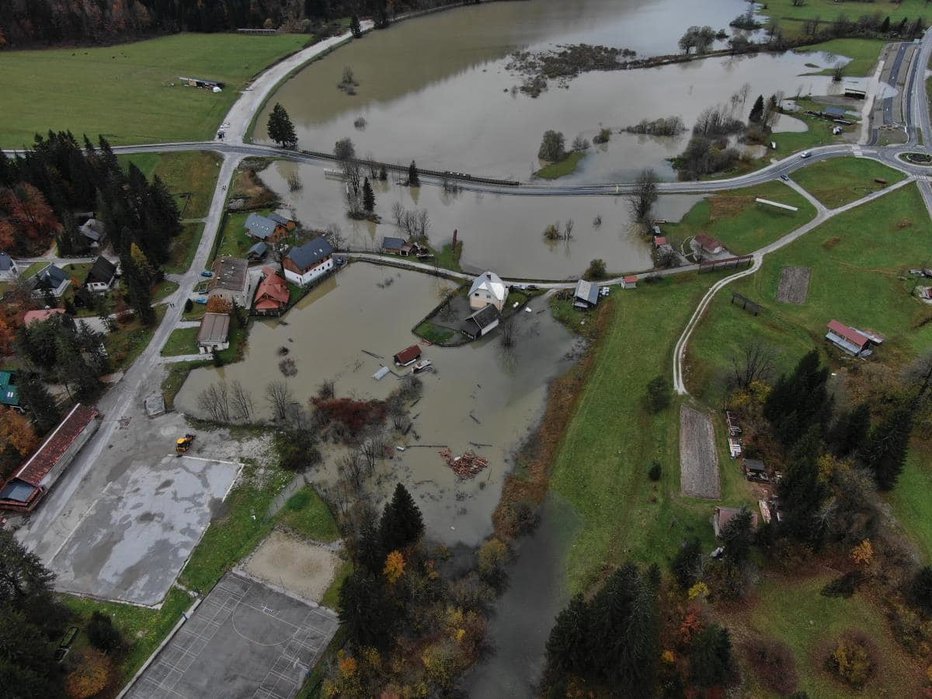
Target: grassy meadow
x=838 y=181
x=125 y=92
x=190 y=176
x=864 y=54
x=790 y=17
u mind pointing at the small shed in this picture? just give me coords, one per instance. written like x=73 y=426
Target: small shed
x=755 y=470
x=214 y=334
x=586 y=295
x=482 y=322
x=257 y=252
x=9 y=392
x=396 y=246
x=833 y=112
x=408 y=356
x=629 y=282
x=848 y=339
x=708 y=244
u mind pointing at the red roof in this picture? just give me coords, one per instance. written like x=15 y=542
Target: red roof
x=850 y=334
x=272 y=292
x=707 y=242
x=660 y=240
x=57 y=443
x=408 y=355
x=38 y=316
x=631 y=279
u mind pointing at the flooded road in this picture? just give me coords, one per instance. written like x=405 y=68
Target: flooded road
x=499 y=232
x=436 y=89
x=478 y=394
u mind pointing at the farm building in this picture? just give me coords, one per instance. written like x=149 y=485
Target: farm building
x=272 y=294
x=407 y=356
x=848 y=339
x=101 y=276
x=629 y=282
x=9 y=393
x=487 y=289
x=723 y=515
x=214 y=333
x=230 y=281
x=708 y=245
x=305 y=263
x=8 y=268
x=481 y=323
x=25 y=488
x=202 y=83
x=834 y=113
x=586 y=295
x=396 y=246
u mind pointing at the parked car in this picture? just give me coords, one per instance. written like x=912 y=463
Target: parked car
x=206 y=273
x=785 y=178
x=805 y=154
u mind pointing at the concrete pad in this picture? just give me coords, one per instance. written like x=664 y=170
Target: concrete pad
x=244 y=640
x=133 y=541
x=296 y=566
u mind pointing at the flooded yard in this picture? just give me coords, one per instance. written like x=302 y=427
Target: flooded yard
x=437 y=90
x=479 y=394
x=499 y=232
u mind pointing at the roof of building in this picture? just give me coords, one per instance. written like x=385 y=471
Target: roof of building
x=258 y=250
x=485 y=317
x=260 y=226
x=38 y=465
x=393 y=243
x=101 y=272
x=587 y=291
x=93 y=229
x=51 y=278
x=42 y=315
x=272 y=292
x=707 y=242
x=849 y=334
x=407 y=355
x=660 y=240
x=835 y=111
x=214 y=330
x=755 y=465
x=230 y=273
x=630 y=279
x=6 y=262
x=9 y=391
x=492 y=283
x=280 y=220
x=723 y=515
x=309 y=254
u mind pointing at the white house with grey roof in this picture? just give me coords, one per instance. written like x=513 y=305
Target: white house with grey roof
x=308 y=262
x=487 y=289
x=8 y=268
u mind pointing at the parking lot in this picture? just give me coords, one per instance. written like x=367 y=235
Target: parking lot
x=244 y=640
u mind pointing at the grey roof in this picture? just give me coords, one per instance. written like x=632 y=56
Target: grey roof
x=484 y=317
x=393 y=243
x=258 y=250
x=835 y=111
x=587 y=291
x=93 y=229
x=754 y=465
x=6 y=262
x=260 y=226
x=50 y=278
x=279 y=219
x=102 y=272
x=215 y=328
x=230 y=273
x=308 y=255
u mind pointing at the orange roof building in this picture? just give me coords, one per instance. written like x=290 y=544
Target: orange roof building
x=272 y=294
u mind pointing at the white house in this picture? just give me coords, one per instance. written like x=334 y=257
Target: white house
x=305 y=263
x=51 y=280
x=214 y=333
x=101 y=276
x=488 y=289
x=8 y=268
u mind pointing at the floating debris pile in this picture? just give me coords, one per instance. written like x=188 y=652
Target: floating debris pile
x=466 y=466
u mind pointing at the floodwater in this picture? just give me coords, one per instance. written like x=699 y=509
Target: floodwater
x=436 y=89
x=503 y=233
x=478 y=393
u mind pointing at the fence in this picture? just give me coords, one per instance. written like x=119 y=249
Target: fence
x=728 y=263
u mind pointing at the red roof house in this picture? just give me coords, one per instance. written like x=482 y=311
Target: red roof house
x=629 y=282
x=407 y=356
x=39 y=316
x=660 y=240
x=272 y=293
x=25 y=488
x=848 y=339
x=708 y=244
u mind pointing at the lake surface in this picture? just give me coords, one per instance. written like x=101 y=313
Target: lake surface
x=478 y=393
x=436 y=89
x=503 y=233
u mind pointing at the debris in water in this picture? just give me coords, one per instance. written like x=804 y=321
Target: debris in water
x=466 y=466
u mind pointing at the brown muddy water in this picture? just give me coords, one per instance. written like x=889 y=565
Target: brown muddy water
x=436 y=89
x=477 y=394
x=499 y=232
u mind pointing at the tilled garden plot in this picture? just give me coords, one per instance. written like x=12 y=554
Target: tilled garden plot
x=698 y=457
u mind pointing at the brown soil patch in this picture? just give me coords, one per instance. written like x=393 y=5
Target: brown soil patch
x=831 y=243
x=794 y=285
x=727 y=206
x=904 y=223
x=698 y=456
x=301 y=569
x=248 y=186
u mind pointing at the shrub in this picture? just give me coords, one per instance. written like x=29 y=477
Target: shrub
x=492 y=556
x=773 y=663
x=658 y=394
x=920 y=590
x=188 y=305
x=843 y=586
x=852 y=659
x=655 y=471
x=90 y=676
x=687 y=564
x=603 y=136
x=102 y=634
x=596 y=270
x=552 y=147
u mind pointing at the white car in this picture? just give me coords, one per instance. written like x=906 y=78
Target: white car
x=805 y=154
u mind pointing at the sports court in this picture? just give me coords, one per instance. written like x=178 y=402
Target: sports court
x=244 y=640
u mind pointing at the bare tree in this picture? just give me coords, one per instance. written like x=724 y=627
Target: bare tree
x=214 y=401
x=507 y=335
x=352 y=177
x=754 y=362
x=350 y=467
x=398 y=214
x=642 y=199
x=334 y=235
x=279 y=397
x=240 y=402
x=327 y=389
x=568 y=229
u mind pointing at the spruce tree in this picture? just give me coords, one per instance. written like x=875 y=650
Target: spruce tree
x=757 y=111
x=280 y=128
x=355 y=26
x=850 y=431
x=886 y=448
x=710 y=661
x=567 y=645
x=36 y=397
x=687 y=564
x=366 y=612
x=414 y=179
x=799 y=401
x=401 y=524
x=368 y=196
x=802 y=492
x=737 y=536
x=885 y=25
x=138 y=290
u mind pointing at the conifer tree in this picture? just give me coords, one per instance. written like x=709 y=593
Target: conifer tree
x=368 y=196
x=414 y=179
x=737 y=536
x=710 y=661
x=802 y=492
x=36 y=397
x=800 y=401
x=567 y=646
x=355 y=26
x=401 y=524
x=280 y=128
x=138 y=290
x=886 y=448
x=757 y=111
x=366 y=612
x=850 y=431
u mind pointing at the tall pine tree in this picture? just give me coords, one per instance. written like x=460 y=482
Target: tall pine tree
x=414 y=179
x=800 y=401
x=757 y=111
x=802 y=492
x=401 y=524
x=36 y=397
x=280 y=128
x=886 y=448
x=368 y=196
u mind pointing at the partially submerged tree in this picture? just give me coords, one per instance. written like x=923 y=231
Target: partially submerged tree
x=280 y=128
x=642 y=199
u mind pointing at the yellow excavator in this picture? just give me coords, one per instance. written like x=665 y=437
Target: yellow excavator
x=183 y=444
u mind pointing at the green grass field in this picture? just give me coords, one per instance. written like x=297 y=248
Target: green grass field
x=308 y=515
x=791 y=18
x=863 y=53
x=564 y=167
x=232 y=240
x=191 y=177
x=839 y=181
x=740 y=223
x=124 y=92
x=601 y=468
x=181 y=341
x=910 y=498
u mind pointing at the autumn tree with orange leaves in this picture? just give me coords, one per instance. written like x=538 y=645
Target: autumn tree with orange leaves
x=27 y=223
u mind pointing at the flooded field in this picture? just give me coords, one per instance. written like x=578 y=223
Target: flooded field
x=499 y=232
x=479 y=394
x=436 y=89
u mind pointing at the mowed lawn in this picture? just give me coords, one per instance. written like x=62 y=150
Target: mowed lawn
x=124 y=92
x=190 y=176
x=609 y=445
x=791 y=18
x=864 y=54
x=839 y=181
x=739 y=222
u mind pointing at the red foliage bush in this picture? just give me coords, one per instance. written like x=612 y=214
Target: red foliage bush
x=773 y=663
x=352 y=415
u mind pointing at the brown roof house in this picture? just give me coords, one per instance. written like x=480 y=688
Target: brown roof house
x=231 y=281
x=408 y=355
x=214 y=334
x=707 y=245
x=26 y=487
